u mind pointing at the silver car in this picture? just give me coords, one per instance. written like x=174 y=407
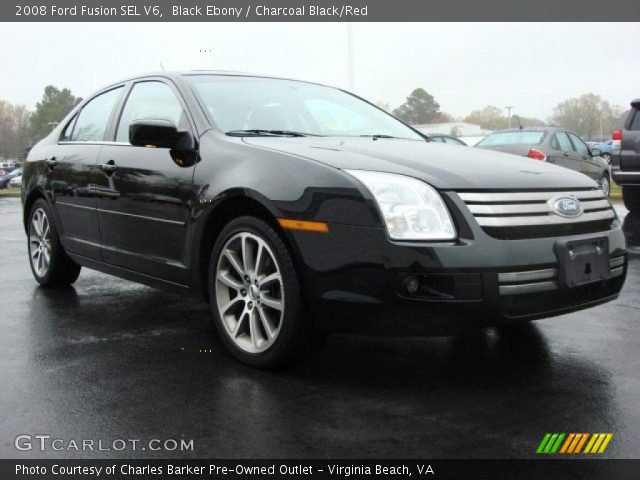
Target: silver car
x=552 y=145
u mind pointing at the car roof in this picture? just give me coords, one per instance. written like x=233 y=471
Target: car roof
x=188 y=73
x=533 y=129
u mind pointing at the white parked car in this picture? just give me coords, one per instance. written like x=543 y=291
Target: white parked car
x=16 y=181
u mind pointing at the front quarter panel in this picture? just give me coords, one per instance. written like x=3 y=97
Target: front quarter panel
x=287 y=185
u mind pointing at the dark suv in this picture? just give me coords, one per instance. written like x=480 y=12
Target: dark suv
x=297 y=209
x=625 y=164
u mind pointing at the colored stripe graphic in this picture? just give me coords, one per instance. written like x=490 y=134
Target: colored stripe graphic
x=573 y=443
x=550 y=443
x=543 y=443
x=567 y=443
x=581 y=442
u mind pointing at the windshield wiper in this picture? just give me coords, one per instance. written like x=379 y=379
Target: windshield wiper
x=264 y=132
x=377 y=136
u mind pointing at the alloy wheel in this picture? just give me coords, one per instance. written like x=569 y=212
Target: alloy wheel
x=40 y=242
x=249 y=292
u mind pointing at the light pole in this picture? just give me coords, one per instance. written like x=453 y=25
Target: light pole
x=350 y=55
x=508 y=109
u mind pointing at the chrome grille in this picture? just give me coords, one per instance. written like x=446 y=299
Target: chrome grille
x=501 y=212
x=534 y=281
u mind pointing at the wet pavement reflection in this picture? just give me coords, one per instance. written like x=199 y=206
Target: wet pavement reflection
x=110 y=359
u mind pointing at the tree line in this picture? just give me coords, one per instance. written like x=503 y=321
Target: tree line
x=589 y=115
x=20 y=128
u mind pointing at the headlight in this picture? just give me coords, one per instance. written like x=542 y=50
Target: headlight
x=411 y=209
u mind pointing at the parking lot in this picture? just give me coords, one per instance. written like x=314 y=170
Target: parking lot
x=109 y=359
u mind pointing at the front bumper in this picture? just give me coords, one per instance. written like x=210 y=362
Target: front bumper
x=625 y=177
x=356 y=280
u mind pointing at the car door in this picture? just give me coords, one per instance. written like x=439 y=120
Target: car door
x=144 y=197
x=586 y=163
x=562 y=152
x=71 y=174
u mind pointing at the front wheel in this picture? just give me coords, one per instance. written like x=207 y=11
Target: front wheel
x=50 y=264
x=631 y=198
x=256 y=298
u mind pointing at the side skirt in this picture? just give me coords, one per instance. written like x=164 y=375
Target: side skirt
x=148 y=280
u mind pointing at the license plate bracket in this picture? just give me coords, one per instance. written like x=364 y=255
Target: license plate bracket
x=582 y=261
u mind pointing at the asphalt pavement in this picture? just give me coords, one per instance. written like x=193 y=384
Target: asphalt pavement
x=109 y=359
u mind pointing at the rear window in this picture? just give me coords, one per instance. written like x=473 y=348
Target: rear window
x=521 y=137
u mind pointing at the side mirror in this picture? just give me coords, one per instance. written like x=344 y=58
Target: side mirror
x=161 y=133
x=154 y=133
x=596 y=152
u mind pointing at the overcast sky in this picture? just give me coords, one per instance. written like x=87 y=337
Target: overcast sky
x=463 y=65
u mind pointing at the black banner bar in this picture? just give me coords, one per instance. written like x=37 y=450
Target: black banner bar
x=320 y=469
x=317 y=11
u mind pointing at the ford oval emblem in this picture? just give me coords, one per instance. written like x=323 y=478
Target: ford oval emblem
x=566 y=206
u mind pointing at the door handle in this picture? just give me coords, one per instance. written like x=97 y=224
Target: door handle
x=565 y=154
x=109 y=167
x=51 y=162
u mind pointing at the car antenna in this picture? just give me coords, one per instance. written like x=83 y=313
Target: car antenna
x=518 y=119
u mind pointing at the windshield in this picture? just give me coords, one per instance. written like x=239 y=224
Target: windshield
x=265 y=104
x=516 y=137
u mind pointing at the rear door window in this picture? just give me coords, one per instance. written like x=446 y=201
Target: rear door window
x=92 y=121
x=579 y=145
x=561 y=142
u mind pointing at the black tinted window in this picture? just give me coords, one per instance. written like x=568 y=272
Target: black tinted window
x=94 y=117
x=635 y=123
x=151 y=100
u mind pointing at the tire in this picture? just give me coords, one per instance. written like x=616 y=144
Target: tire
x=605 y=185
x=50 y=264
x=256 y=298
x=631 y=198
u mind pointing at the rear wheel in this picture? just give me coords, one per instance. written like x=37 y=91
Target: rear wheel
x=631 y=198
x=50 y=264
x=256 y=298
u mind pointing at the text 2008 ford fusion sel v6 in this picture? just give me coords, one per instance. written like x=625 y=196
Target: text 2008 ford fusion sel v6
x=297 y=209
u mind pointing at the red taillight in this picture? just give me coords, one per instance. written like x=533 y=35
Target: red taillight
x=617 y=135
x=537 y=155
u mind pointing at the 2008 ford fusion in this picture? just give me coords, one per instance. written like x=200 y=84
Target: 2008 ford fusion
x=297 y=209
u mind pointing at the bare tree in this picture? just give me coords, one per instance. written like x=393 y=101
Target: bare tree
x=493 y=118
x=15 y=135
x=588 y=115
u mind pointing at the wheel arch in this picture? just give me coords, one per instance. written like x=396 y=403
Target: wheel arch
x=30 y=199
x=227 y=206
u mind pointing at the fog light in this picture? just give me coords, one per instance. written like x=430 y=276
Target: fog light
x=412 y=284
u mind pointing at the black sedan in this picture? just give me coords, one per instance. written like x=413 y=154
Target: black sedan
x=297 y=209
x=552 y=145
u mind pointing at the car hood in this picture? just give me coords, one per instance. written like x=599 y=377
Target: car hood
x=443 y=166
